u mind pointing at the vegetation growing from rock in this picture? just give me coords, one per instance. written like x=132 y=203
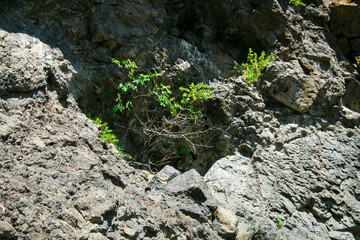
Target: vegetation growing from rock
x=297 y=3
x=254 y=229
x=146 y=85
x=279 y=223
x=108 y=136
x=161 y=113
x=59 y=180
x=254 y=65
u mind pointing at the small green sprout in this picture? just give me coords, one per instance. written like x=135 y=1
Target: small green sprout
x=217 y=213
x=297 y=3
x=279 y=223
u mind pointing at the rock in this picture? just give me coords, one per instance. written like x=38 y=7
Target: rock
x=28 y=64
x=186 y=192
x=291 y=86
x=285 y=148
x=97 y=236
x=355 y=46
x=243 y=232
x=357 y=59
x=226 y=223
x=163 y=177
x=191 y=184
x=63 y=187
x=7 y=231
x=351 y=98
x=298 y=83
x=340 y=235
x=222 y=182
x=345 y=18
x=76 y=27
x=280 y=176
x=129 y=232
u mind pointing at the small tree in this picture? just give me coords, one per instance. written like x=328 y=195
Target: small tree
x=161 y=115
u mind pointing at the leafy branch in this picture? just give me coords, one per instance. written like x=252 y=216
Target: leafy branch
x=196 y=93
x=254 y=65
x=162 y=117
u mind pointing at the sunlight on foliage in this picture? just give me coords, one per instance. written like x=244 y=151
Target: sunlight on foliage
x=297 y=3
x=107 y=134
x=254 y=65
x=196 y=93
x=147 y=85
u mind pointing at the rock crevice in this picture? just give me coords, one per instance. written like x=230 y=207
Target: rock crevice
x=288 y=149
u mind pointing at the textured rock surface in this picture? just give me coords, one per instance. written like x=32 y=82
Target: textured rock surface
x=69 y=184
x=300 y=180
x=289 y=146
x=28 y=64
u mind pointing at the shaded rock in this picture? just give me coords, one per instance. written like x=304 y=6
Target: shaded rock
x=7 y=231
x=345 y=18
x=351 y=97
x=355 y=46
x=76 y=27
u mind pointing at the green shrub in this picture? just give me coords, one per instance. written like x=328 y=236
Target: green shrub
x=134 y=83
x=146 y=85
x=254 y=65
x=159 y=117
x=196 y=93
x=107 y=134
x=297 y=3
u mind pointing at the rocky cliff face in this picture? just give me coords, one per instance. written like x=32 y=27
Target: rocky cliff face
x=288 y=149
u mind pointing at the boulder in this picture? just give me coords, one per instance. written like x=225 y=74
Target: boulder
x=29 y=64
x=298 y=183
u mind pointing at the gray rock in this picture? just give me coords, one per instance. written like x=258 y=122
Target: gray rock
x=186 y=192
x=56 y=184
x=163 y=177
x=340 y=235
x=76 y=27
x=271 y=161
x=7 y=231
x=289 y=182
x=28 y=64
x=352 y=95
x=291 y=86
x=226 y=222
x=191 y=184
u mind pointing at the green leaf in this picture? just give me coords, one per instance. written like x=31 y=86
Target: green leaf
x=254 y=65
